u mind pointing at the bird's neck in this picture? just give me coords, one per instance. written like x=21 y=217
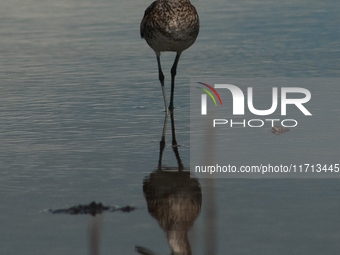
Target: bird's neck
x=178 y=241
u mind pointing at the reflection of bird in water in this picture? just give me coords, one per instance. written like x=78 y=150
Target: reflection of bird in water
x=174 y=200
x=170 y=25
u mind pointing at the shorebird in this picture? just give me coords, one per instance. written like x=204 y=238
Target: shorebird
x=169 y=25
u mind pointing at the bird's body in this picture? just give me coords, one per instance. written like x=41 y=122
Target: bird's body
x=170 y=25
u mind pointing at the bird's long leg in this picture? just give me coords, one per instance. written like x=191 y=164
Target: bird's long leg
x=173 y=74
x=161 y=79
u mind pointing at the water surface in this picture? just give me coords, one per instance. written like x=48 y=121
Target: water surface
x=81 y=116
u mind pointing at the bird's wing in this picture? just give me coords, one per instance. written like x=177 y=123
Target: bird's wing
x=146 y=15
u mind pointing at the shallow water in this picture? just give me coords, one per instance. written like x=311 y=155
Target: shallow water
x=81 y=115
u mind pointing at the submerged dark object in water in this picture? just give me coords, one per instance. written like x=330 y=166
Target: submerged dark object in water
x=278 y=130
x=93 y=208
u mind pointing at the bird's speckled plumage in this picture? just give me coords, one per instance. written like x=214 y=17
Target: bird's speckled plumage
x=170 y=25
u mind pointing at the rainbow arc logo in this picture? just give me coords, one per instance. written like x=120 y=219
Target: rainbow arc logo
x=204 y=97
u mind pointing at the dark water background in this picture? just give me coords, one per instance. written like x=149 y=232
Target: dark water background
x=81 y=117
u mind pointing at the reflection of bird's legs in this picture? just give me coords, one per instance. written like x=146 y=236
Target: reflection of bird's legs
x=174 y=142
x=162 y=143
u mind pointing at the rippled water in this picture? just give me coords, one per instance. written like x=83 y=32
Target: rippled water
x=81 y=117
